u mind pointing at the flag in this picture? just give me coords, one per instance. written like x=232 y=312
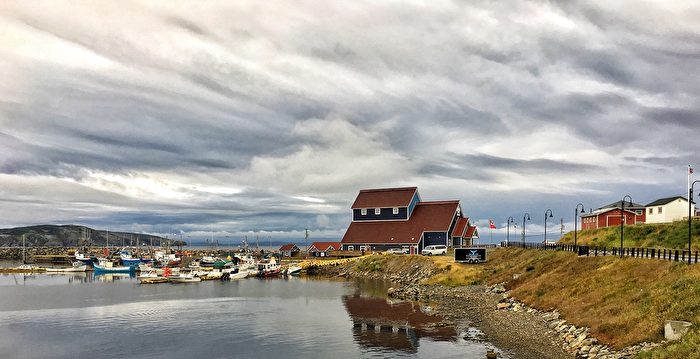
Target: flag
x=491 y=224
x=690 y=170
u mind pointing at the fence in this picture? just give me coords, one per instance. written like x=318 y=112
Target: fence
x=674 y=255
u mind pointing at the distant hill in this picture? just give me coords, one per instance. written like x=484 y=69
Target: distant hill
x=662 y=235
x=71 y=236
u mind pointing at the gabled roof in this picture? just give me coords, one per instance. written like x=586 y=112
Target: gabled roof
x=460 y=227
x=618 y=204
x=606 y=210
x=667 y=200
x=324 y=246
x=427 y=217
x=472 y=232
x=384 y=197
x=289 y=247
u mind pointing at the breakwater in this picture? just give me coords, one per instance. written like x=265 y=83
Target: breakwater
x=34 y=254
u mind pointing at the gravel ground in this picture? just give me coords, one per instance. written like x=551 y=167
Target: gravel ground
x=523 y=335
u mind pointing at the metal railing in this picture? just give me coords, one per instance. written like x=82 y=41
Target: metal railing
x=673 y=255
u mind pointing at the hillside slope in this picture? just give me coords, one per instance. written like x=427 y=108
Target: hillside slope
x=665 y=235
x=70 y=236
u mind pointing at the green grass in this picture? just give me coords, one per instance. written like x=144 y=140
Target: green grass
x=666 y=235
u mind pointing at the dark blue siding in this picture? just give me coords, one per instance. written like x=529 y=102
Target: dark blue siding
x=387 y=214
x=456 y=241
x=412 y=206
x=433 y=238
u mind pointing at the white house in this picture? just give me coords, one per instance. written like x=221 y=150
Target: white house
x=666 y=210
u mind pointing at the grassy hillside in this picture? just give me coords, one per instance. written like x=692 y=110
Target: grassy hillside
x=667 y=235
x=623 y=301
x=69 y=236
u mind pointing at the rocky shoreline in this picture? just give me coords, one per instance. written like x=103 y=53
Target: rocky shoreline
x=522 y=332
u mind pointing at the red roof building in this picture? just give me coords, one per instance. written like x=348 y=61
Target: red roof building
x=611 y=215
x=289 y=250
x=323 y=249
x=397 y=218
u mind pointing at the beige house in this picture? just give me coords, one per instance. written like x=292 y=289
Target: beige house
x=666 y=210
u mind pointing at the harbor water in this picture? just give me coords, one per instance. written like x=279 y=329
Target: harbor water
x=85 y=315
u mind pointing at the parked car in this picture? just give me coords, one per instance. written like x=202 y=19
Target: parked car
x=397 y=251
x=434 y=250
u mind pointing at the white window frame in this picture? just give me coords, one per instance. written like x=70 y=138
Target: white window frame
x=351 y=248
x=363 y=211
x=395 y=210
x=651 y=210
x=377 y=211
x=660 y=210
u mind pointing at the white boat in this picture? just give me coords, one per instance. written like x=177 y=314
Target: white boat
x=76 y=267
x=185 y=278
x=293 y=270
x=239 y=275
x=105 y=266
x=246 y=262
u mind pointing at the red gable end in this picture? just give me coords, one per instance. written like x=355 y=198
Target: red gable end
x=385 y=197
x=288 y=247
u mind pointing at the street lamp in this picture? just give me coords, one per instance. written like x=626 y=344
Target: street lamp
x=526 y=216
x=545 y=223
x=510 y=221
x=690 y=215
x=622 y=221
x=576 y=219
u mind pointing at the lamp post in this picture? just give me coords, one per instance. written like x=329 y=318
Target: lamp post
x=545 y=223
x=526 y=216
x=576 y=220
x=690 y=215
x=622 y=222
x=510 y=221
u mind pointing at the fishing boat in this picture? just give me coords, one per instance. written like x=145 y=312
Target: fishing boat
x=269 y=268
x=105 y=266
x=129 y=260
x=185 y=278
x=84 y=258
x=77 y=266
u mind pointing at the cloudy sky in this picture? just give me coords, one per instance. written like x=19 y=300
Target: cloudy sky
x=266 y=118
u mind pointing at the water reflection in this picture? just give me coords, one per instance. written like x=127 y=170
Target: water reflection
x=113 y=277
x=395 y=325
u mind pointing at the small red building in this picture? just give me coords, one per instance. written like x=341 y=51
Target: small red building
x=611 y=215
x=323 y=249
x=289 y=250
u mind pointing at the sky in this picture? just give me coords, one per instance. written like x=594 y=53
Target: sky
x=262 y=119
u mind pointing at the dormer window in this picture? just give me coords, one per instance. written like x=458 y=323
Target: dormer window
x=363 y=211
x=395 y=210
x=377 y=211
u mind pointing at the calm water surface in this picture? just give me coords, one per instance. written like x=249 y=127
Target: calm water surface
x=113 y=316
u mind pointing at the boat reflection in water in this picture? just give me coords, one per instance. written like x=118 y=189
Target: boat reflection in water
x=395 y=325
x=112 y=277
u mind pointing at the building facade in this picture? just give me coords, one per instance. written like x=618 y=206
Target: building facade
x=666 y=210
x=323 y=249
x=398 y=218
